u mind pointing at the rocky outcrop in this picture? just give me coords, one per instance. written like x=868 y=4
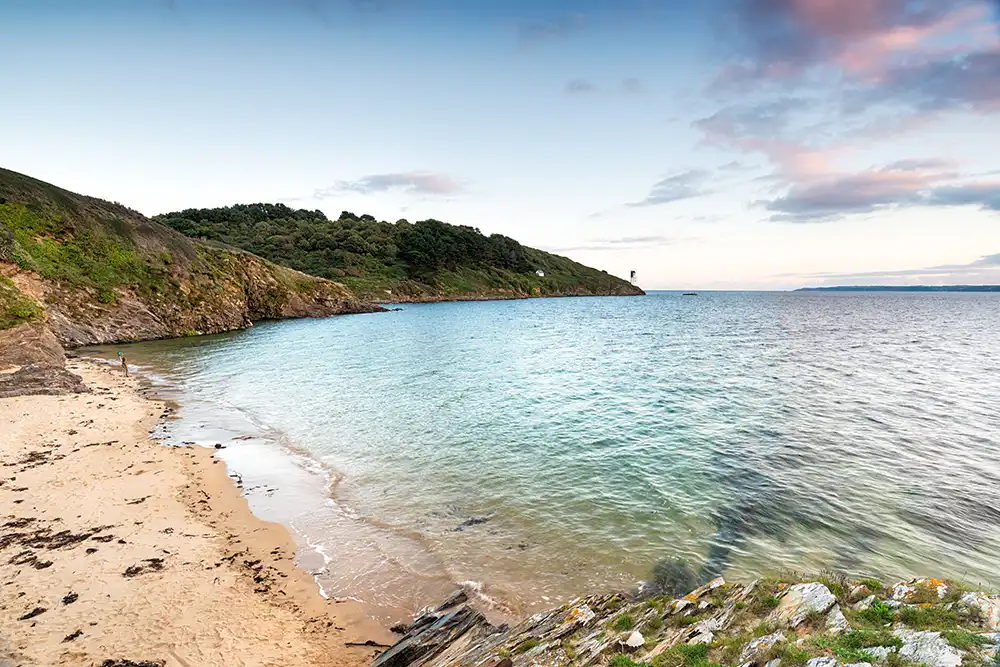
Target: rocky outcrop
x=766 y=623
x=33 y=362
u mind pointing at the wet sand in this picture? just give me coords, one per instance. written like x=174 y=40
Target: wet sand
x=115 y=547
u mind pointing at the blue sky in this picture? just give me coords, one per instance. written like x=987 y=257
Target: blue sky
x=704 y=144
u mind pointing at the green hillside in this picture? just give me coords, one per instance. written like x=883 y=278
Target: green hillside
x=400 y=261
x=96 y=271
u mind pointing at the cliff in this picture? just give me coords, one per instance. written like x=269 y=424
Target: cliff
x=831 y=622
x=398 y=261
x=78 y=271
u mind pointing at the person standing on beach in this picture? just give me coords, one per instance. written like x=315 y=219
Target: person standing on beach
x=124 y=363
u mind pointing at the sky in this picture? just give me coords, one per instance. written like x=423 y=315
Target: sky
x=704 y=144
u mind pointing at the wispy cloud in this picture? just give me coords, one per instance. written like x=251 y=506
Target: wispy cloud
x=580 y=86
x=986 y=269
x=686 y=185
x=417 y=182
x=632 y=86
x=531 y=33
x=823 y=82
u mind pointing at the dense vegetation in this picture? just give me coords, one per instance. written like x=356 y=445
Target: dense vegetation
x=110 y=273
x=15 y=308
x=425 y=259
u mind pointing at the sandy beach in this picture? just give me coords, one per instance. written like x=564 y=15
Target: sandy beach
x=114 y=547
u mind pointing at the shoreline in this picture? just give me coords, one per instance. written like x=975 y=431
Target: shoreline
x=116 y=546
x=391 y=572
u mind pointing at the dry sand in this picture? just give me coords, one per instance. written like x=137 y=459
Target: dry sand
x=115 y=547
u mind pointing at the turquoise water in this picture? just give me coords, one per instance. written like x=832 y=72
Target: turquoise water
x=743 y=433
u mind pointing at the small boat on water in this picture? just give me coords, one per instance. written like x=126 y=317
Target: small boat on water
x=690 y=294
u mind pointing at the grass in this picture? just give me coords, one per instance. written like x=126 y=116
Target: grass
x=878 y=614
x=653 y=626
x=15 y=308
x=623 y=623
x=849 y=656
x=964 y=640
x=766 y=598
x=850 y=647
x=929 y=618
x=78 y=256
x=874 y=585
x=858 y=639
x=684 y=655
x=625 y=661
x=526 y=645
x=789 y=654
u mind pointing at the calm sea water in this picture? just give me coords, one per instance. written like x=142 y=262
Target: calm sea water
x=589 y=438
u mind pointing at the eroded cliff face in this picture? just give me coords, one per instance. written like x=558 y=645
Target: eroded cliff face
x=77 y=271
x=244 y=290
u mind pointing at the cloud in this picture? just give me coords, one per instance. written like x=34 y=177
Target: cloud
x=686 y=185
x=623 y=243
x=969 y=82
x=903 y=183
x=632 y=86
x=986 y=269
x=832 y=198
x=533 y=33
x=809 y=82
x=785 y=39
x=984 y=195
x=415 y=182
x=580 y=86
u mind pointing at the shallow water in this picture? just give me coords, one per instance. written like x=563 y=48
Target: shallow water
x=743 y=433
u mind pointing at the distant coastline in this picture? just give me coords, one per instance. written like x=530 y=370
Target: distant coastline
x=903 y=288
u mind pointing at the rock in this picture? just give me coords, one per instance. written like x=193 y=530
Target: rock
x=860 y=592
x=988 y=605
x=880 y=653
x=863 y=604
x=927 y=648
x=822 y=662
x=773 y=663
x=580 y=615
x=836 y=621
x=911 y=590
x=634 y=641
x=457 y=598
x=800 y=601
x=758 y=647
x=429 y=636
x=32 y=362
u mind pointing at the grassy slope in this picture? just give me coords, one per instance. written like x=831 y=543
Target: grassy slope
x=370 y=257
x=102 y=260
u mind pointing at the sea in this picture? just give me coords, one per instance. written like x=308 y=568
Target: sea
x=533 y=451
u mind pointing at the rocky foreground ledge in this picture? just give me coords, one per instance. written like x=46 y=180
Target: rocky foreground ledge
x=831 y=622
